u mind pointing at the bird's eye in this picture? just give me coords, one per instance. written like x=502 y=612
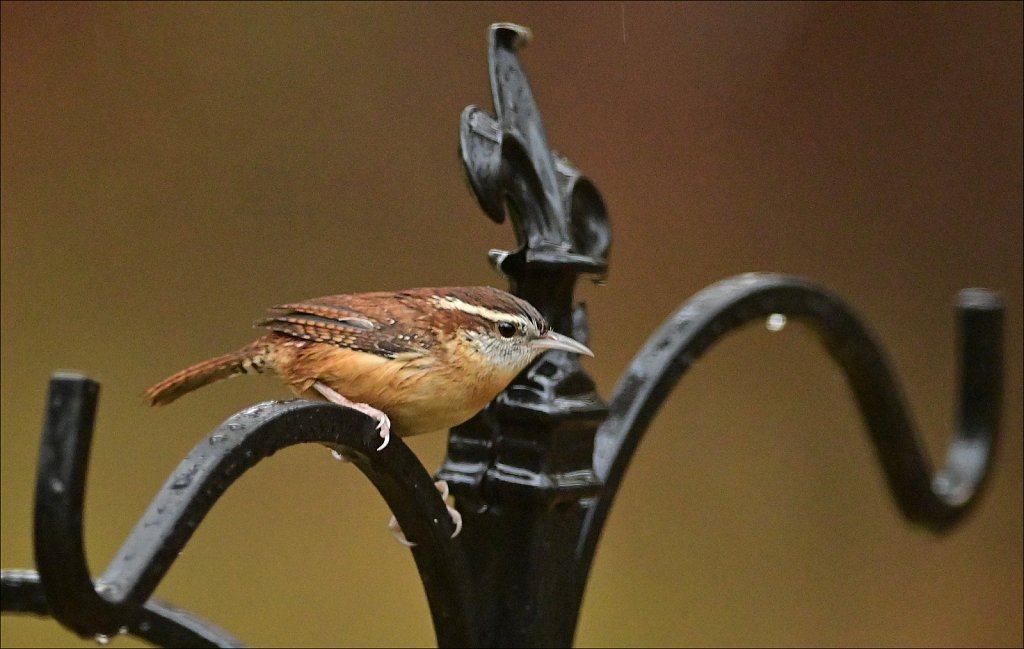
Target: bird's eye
x=507 y=329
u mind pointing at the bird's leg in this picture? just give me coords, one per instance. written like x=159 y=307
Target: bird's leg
x=383 y=423
x=442 y=487
x=384 y=426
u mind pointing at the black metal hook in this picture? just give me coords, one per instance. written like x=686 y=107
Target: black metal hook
x=936 y=500
x=63 y=586
x=116 y=601
x=156 y=622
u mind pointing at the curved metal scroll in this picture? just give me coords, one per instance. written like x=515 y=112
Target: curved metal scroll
x=937 y=500
x=119 y=601
x=157 y=622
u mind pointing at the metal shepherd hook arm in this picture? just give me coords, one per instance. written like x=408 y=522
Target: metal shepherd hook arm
x=119 y=601
x=936 y=500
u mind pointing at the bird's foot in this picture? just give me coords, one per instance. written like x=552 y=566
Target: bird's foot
x=383 y=422
x=442 y=487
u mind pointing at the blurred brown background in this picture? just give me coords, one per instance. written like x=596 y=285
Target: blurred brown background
x=169 y=170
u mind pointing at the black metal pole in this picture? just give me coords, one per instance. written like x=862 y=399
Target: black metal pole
x=523 y=469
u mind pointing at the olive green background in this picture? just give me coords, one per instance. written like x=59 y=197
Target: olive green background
x=169 y=170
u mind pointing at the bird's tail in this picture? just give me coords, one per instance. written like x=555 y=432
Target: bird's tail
x=254 y=357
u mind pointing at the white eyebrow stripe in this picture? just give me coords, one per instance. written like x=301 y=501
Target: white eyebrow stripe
x=482 y=311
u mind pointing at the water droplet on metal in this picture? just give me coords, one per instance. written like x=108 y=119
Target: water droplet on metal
x=107 y=591
x=218 y=438
x=185 y=478
x=253 y=412
x=662 y=343
x=339 y=456
x=102 y=639
x=775 y=322
x=942 y=484
x=56 y=485
x=234 y=426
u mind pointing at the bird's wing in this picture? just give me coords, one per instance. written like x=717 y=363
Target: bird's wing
x=345 y=321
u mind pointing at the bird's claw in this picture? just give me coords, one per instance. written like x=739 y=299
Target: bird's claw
x=456 y=517
x=396 y=531
x=384 y=426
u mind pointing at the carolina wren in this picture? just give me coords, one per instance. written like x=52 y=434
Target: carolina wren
x=430 y=358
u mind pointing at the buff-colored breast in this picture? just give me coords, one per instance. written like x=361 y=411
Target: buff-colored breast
x=419 y=393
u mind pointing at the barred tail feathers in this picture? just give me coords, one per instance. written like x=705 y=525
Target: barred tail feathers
x=254 y=357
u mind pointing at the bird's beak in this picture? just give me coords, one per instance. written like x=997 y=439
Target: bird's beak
x=554 y=340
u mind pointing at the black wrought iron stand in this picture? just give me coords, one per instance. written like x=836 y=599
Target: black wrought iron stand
x=534 y=474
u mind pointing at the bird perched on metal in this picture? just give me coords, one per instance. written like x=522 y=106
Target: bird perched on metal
x=417 y=361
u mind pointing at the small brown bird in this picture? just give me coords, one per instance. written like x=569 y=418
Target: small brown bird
x=417 y=361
